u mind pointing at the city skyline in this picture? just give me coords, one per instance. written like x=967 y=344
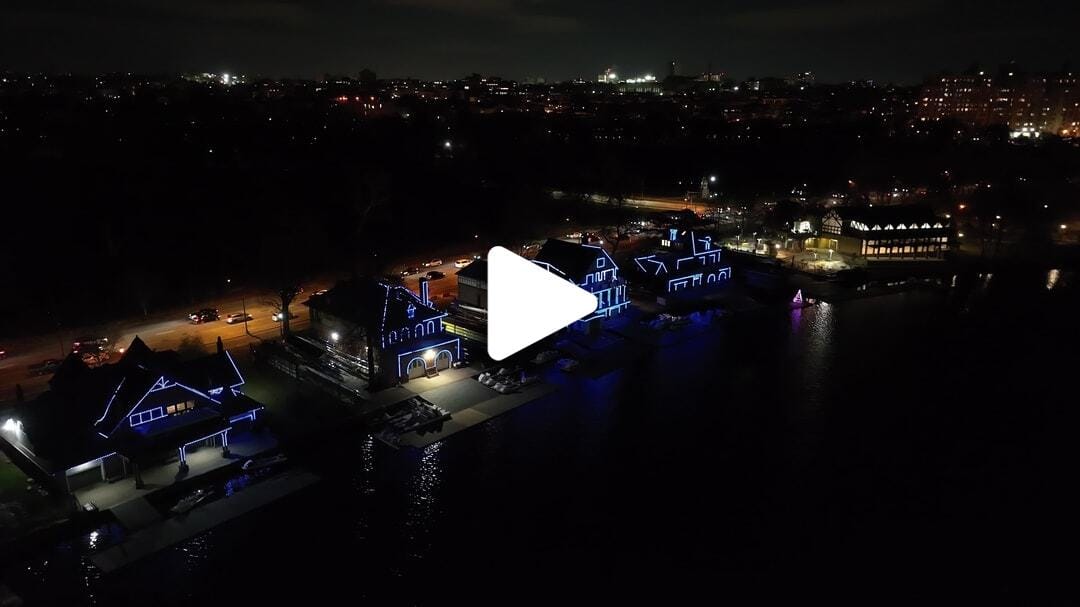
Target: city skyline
x=437 y=39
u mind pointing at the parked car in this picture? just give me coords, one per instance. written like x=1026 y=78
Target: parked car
x=435 y=275
x=3 y=354
x=45 y=367
x=461 y=263
x=204 y=315
x=90 y=344
x=460 y=363
x=320 y=292
x=278 y=316
x=433 y=263
x=409 y=271
x=236 y=317
x=93 y=359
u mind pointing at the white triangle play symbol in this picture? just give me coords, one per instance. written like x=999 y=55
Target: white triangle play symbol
x=526 y=303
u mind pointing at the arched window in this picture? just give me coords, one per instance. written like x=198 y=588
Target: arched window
x=420 y=330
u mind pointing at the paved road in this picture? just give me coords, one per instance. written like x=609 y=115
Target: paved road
x=165 y=331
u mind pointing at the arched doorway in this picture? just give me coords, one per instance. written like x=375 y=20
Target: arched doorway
x=416 y=368
x=443 y=360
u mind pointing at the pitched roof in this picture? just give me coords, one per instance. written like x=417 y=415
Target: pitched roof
x=574 y=260
x=881 y=215
x=367 y=302
x=103 y=396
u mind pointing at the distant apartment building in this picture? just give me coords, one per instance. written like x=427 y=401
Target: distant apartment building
x=1028 y=104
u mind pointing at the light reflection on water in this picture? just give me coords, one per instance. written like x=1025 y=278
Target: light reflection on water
x=422 y=502
x=364 y=487
x=814 y=345
x=196 y=551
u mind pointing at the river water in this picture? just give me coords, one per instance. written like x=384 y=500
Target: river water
x=918 y=446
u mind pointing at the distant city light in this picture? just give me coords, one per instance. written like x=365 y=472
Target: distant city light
x=447 y=144
x=334 y=336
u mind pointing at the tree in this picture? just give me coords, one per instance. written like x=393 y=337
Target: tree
x=616 y=184
x=619 y=232
x=286 y=295
x=190 y=347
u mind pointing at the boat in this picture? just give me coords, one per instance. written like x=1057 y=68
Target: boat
x=264 y=462
x=188 y=502
x=568 y=364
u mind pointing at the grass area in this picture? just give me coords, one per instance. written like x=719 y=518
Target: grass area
x=293 y=409
x=12 y=480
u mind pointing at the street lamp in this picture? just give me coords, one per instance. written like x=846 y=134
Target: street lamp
x=334 y=337
x=429 y=355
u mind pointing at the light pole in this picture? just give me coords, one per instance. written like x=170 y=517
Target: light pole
x=243 y=303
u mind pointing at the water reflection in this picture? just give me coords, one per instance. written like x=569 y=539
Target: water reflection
x=364 y=487
x=196 y=551
x=422 y=502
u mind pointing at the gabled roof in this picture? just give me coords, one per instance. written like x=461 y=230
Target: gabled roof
x=894 y=214
x=104 y=396
x=573 y=260
x=367 y=302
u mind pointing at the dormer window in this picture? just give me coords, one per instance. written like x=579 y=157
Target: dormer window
x=600 y=262
x=410 y=311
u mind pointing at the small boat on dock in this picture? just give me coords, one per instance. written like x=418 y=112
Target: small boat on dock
x=264 y=462
x=188 y=502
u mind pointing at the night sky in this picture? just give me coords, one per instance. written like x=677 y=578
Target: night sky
x=897 y=40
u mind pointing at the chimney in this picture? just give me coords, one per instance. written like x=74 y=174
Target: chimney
x=424 y=290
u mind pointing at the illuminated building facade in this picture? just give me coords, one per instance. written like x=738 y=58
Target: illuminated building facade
x=106 y=422
x=688 y=264
x=891 y=233
x=389 y=325
x=1028 y=104
x=591 y=268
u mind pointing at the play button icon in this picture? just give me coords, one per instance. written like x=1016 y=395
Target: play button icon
x=526 y=303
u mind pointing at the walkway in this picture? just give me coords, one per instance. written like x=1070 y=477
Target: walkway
x=242 y=446
x=174 y=530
